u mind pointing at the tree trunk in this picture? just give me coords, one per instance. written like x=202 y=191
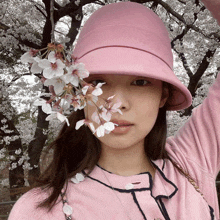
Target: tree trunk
x=16 y=176
x=36 y=146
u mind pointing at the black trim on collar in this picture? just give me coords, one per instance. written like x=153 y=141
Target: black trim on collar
x=163 y=164
x=163 y=209
x=211 y=213
x=121 y=190
x=167 y=180
x=138 y=205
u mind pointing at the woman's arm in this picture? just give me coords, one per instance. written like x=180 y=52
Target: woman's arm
x=198 y=142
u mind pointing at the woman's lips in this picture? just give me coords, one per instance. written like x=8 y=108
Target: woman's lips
x=122 y=126
x=122 y=122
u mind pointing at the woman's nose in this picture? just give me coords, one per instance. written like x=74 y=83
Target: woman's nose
x=123 y=97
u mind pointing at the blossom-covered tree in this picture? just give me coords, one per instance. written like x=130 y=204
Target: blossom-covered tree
x=28 y=24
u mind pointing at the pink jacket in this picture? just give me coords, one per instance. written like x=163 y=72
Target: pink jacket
x=170 y=196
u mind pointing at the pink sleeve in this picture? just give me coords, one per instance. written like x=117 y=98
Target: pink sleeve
x=198 y=141
x=26 y=208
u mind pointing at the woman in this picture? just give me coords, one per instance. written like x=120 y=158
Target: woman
x=133 y=172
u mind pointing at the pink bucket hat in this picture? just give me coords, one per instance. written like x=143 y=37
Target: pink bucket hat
x=128 y=38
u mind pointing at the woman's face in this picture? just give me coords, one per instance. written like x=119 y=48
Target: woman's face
x=140 y=98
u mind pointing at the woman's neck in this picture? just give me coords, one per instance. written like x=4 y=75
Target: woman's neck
x=125 y=162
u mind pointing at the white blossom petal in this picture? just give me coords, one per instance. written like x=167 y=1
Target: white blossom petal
x=60 y=64
x=95 y=117
x=44 y=63
x=57 y=72
x=35 y=68
x=46 y=107
x=92 y=127
x=50 y=117
x=97 y=92
x=84 y=89
x=110 y=126
x=63 y=118
x=100 y=131
x=51 y=57
x=79 y=124
x=116 y=105
x=48 y=73
x=27 y=58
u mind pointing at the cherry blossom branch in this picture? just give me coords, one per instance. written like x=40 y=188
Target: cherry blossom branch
x=64 y=78
x=52 y=20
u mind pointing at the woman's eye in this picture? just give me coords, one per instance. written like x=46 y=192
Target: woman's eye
x=141 y=82
x=96 y=81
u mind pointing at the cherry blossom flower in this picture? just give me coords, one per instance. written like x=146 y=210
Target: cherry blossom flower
x=75 y=101
x=57 y=82
x=68 y=89
x=97 y=91
x=28 y=57
x=110 y=109
x=76 y=72
x=59 y=116
x=51 y=66
x=105 y=128
x=96 y=117
x=90 y=92
x=46 y=107
x=35 y=67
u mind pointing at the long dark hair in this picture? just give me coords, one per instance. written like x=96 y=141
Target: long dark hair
x=76 y=150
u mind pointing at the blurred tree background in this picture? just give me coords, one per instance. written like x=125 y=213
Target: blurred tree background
x=26 y=24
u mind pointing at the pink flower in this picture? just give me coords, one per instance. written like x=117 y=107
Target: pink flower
x=28 y=56
x=57 y=83
x=96 y=117
x=74 y=73
x=89 y=89
x=57 y=115
x=78 y=70
x=46 y=107
x=105 y=128
x=75 y=102
x=110 y=109
x=52 y=67
x=35 y=67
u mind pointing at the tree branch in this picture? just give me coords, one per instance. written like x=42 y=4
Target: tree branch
x=75 y=25
x=180 y=18
x=52 y=21
x=4 y=27
x=70 y=8
x=40 y=11
x=56 y=5
x=180 y=54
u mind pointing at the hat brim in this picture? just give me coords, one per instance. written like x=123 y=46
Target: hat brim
x=132 y=61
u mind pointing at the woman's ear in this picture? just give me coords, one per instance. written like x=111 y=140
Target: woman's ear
x=164 y=97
